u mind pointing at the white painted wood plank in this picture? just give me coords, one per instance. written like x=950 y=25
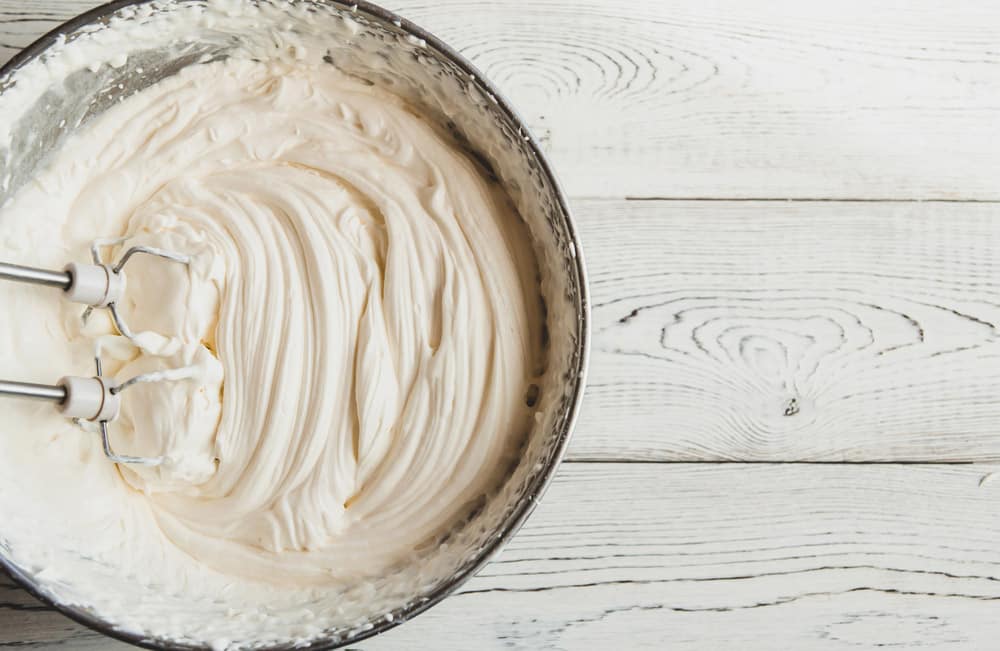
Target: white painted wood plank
x=774 y=331
x=825 y=331
x=703 y=556
x=680 y=98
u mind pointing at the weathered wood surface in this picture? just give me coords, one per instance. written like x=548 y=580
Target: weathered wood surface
x=711 y=556
x=786 y=331
x=678 y=98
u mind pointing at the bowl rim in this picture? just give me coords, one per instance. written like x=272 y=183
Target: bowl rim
x=539 y=483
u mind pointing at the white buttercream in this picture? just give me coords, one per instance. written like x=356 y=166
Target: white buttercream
x=362 y=311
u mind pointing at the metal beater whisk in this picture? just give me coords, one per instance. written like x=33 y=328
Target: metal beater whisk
x=98 y=285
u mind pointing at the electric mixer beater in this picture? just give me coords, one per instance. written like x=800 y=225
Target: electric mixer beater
x=96 y=399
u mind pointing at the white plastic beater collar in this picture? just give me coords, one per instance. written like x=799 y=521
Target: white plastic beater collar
x=97 y=285
x=90 y=398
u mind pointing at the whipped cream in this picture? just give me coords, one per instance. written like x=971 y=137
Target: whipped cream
x=361 y=321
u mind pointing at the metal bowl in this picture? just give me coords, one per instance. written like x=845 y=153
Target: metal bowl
x=479 y=117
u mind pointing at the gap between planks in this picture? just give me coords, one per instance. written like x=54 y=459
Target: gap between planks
x=796 y=199
x=681 y=462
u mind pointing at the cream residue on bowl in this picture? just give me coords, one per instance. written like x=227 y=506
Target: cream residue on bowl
x=363 y=308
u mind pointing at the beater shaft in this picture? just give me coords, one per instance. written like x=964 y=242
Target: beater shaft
x=29 y=390
x=60 y=279
x=89 y=398
x=97 y=285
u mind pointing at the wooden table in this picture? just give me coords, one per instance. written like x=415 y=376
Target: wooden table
x=790 y=213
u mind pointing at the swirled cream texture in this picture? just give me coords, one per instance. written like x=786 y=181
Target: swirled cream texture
x=361 y=315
